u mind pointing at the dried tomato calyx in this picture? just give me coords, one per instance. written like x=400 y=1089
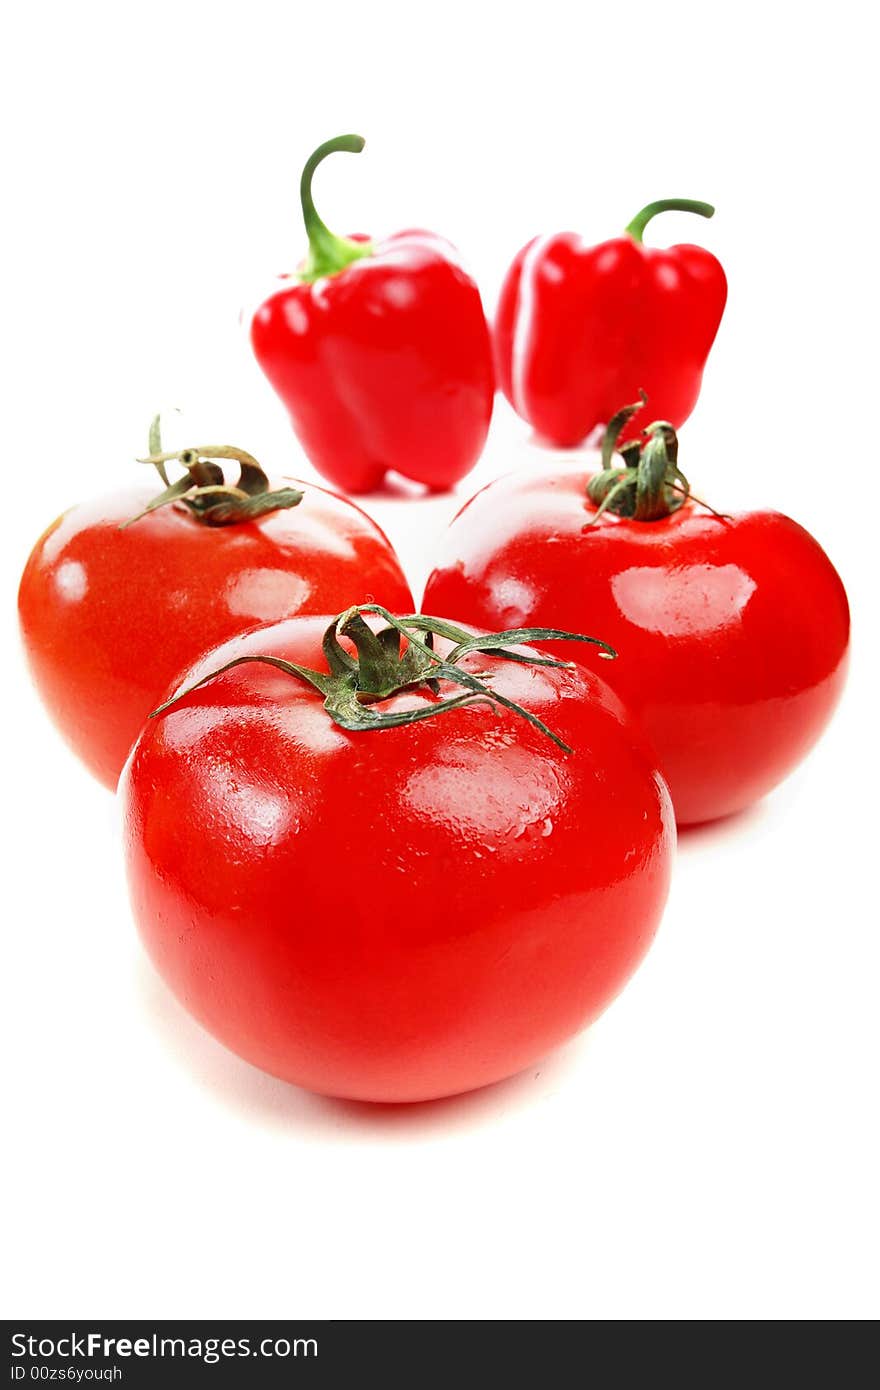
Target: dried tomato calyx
x=385 y=665
x=203 y=489
x=647 y=483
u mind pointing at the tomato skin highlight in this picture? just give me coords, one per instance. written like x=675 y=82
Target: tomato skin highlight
x=110 y=617
x=732 y=633
x=399 y=915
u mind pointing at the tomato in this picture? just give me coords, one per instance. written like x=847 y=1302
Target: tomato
x=111 y=616
x=732 y=632
x=399 y=913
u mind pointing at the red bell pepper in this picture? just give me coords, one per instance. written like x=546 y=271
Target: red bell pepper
x=581 y=328
x=380 y=351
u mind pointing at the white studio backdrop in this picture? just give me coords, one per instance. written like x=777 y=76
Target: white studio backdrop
x=709 y=1149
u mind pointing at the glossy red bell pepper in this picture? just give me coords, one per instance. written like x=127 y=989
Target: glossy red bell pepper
x=380 y=351
x=580 y=328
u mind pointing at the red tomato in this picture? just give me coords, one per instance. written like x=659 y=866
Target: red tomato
x=111 y=617
x=402 y=914
x=732 y=633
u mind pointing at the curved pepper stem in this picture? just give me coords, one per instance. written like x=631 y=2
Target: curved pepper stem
x=636 y=228
x=328 y=253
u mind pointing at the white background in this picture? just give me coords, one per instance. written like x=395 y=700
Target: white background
x=710 y=1148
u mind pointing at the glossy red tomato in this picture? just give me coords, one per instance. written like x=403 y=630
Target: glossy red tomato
x=110 y=617
x=732 y=633
x=400 y=914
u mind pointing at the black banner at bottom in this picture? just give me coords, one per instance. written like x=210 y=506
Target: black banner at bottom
x=138 y=1353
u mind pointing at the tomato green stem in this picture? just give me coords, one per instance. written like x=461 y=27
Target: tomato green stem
x=203 y=489
x=328 y=253
x=636 y=228
x=649 y=484
x=395 y=659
